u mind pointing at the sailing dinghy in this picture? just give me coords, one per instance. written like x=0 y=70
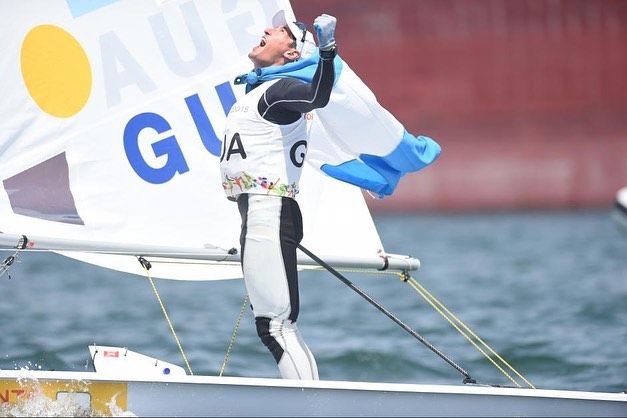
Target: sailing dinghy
x=109 y=147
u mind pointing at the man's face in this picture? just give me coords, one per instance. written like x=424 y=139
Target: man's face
x=275 y=48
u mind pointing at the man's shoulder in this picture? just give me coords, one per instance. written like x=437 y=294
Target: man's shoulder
x=276 y=84
x=286 y=82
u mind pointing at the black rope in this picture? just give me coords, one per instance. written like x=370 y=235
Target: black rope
x=467 y=378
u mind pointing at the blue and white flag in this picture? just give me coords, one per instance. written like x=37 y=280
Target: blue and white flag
x=354 y=139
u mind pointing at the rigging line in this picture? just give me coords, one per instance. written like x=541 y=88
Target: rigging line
x=234 y=335
x=459 y=321
x=467 y=378
x=431 y=299
x=406 y=277
x=146 y=265
x=466 y=336
x=6 y=264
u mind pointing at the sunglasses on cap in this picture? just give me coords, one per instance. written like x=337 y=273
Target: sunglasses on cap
x=303 y=28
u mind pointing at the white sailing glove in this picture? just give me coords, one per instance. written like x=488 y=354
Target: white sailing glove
x=325 y=30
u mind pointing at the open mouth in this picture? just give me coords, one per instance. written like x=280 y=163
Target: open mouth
x=263 y=41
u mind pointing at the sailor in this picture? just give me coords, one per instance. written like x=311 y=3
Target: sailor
x=265 y=143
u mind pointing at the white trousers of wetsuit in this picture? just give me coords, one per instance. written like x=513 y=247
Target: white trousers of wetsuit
x=271 y=230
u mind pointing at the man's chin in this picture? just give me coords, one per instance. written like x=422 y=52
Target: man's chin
x=252 y=54
x=255 y=60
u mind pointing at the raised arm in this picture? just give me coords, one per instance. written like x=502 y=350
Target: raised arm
x=286 y=100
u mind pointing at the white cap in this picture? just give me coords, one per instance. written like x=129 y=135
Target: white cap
x=305 y=43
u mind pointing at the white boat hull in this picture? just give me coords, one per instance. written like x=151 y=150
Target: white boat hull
x=237 y=396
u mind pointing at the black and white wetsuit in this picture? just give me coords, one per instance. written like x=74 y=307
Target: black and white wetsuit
x=263 y=153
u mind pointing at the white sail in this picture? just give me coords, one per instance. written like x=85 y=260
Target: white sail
x=110 y=126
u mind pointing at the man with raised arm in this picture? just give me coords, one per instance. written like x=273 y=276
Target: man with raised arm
x=265 y=143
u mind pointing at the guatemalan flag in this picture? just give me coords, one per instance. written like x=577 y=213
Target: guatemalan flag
x=354 y=139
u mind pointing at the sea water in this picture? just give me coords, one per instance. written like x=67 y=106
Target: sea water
x=546 y=290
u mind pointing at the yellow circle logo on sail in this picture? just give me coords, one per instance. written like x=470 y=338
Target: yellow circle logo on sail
x=56 y=70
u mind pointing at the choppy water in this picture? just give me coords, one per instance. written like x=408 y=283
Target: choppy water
x=547 y=290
